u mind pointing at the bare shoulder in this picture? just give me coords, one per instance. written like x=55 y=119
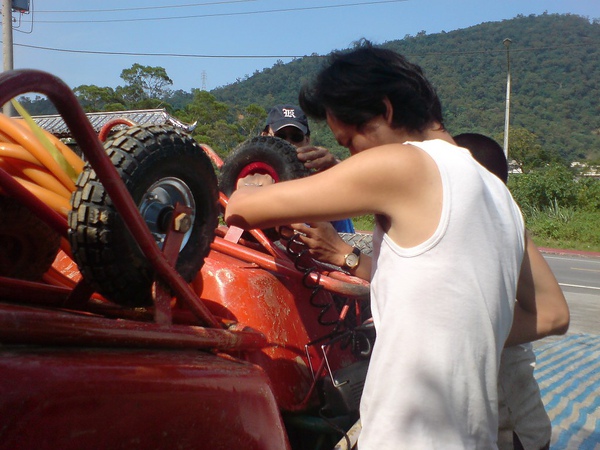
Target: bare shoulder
x=396 y=163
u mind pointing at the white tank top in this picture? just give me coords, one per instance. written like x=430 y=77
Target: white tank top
x=442 y=311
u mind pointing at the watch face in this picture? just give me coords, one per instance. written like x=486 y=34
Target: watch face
x=351 y=260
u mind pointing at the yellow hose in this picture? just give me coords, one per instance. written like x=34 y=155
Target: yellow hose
x=72 y=158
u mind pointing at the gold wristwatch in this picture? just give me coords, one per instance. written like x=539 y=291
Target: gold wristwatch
x=351 y=260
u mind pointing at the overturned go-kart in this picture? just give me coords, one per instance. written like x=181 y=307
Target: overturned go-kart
x=141 y=306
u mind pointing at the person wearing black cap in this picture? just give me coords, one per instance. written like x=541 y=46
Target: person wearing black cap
x=289 y=123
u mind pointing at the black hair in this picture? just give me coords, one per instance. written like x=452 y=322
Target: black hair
x=354 y=84
x=486 y=152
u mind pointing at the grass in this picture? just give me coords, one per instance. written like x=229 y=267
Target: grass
x=364 y=223
x=565 y=228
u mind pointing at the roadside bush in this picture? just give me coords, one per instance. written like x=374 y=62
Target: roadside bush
x=588 y=198
x=545 y=187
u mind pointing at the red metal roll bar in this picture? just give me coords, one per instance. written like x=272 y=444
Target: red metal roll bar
x=17 y=82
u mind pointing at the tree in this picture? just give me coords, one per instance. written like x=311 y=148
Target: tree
x=251 y=120
x=204 y=108
x=144 y=82
x=94 y=98
x=37 y=105
x=527 y=152
x=214 y=126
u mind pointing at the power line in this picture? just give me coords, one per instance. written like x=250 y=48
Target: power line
x=191 y=55
x=175 y=55
x=189 y=5
x=245 y=13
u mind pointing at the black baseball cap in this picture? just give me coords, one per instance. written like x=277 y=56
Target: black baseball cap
x=285 y=116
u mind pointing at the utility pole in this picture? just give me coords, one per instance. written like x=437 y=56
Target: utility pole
x=507 y=43
x=7 y=45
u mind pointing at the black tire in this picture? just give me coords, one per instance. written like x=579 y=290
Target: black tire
x=159 y=166
x=28 y=245
x=261 y=154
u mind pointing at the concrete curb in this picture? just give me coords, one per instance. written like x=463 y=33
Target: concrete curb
x=560 y=251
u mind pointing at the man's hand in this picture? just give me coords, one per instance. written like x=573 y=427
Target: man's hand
x=318 y=158
x=325 y=245
x=322 y=240
x=255 y=180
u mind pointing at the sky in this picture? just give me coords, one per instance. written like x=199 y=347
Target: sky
x=211 y=43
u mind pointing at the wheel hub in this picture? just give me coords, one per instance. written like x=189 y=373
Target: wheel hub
x=158 y=204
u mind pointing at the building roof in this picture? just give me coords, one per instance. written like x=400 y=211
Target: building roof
x=55 y=124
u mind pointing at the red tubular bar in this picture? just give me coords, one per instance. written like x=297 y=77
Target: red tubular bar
x=34 y=293
x=17 y=82
x=42 y=294
x=259 y=235
x=215 y=158
x=353 y=288
x=65 y=328
x=108 y=126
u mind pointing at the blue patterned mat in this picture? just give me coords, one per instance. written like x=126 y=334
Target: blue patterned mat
x=568 y=373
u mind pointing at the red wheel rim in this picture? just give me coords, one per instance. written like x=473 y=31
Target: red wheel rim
x=258 y=167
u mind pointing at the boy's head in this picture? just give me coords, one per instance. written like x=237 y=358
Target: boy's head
x=289 y=123
x=355 y=84
x=486 y=152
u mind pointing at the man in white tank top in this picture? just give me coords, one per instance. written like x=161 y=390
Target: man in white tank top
x=448 y=248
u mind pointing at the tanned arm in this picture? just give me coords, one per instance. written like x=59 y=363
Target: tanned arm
x=541 y=309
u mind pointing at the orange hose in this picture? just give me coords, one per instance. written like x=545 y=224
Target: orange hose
x=17 y=152
x=39 y=175
x=15 y=131
x=6 y=138
x=57 y=202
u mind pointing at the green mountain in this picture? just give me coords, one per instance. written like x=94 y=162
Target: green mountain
x=555 y=80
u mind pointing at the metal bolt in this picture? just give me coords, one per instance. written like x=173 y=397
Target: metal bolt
x=183 y=223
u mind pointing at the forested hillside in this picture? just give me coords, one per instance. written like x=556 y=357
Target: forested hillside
x=555 y=80
x=555 y=88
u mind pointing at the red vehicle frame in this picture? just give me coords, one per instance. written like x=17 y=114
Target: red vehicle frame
x=239 y=358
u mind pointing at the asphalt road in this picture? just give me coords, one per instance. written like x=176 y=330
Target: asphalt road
x=579 y=277
x=568 y=367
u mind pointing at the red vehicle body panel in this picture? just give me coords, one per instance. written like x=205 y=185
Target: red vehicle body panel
x=280 y=308
x=76 y=398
